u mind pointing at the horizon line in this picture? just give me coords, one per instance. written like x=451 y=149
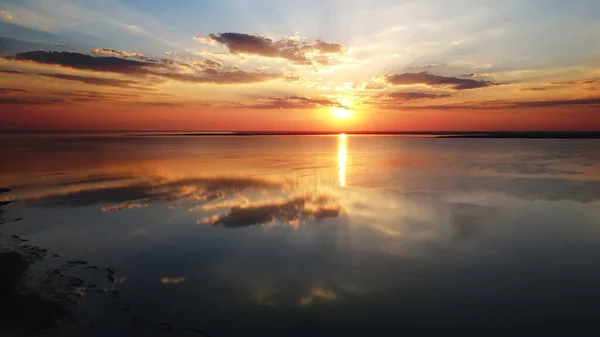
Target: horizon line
x=284 y=132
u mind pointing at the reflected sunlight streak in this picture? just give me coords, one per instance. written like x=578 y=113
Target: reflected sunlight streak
x=342 y=154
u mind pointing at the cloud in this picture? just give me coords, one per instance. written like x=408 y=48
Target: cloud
x=96 y=80
x=19 y=97
x=291 y=49
x=224 y=77
x=11 y=91
x=156 y=71
x=96 y=94
x=118 y=53
x=5 y=16
x=412 y=96
x=16 y=72
x=30 y=100
x=163 y=104
x=301 y=207
x=87 y=62
x=499 y=104
x=125 y=205
x=426 y=78
x=576 y=82
x=534 y=89
x=294 y=102
x=134 y=28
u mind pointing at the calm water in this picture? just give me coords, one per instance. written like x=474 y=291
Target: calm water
x=315 y=235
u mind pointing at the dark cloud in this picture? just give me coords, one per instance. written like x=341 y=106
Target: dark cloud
x=191 y=71
x=169 y=104
x=30 y=100
x=96 y=80
x=426 y=78
x=93 y=179
x=93 y=80
x=294 y=102
x=9 y=91
x=412 y=96
x=18 y=96
x=534 y=89
x=576 y=82
x=498 y=104
x=87 y=62
x=96 y=94
x=291 y=49
x=302 y=207
x=9 y=71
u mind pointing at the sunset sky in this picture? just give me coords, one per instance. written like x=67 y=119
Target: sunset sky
x=311 y=65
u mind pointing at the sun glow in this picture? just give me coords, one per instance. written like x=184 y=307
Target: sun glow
x=341 y=113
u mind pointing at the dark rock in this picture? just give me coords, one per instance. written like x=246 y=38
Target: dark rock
x=12 y=268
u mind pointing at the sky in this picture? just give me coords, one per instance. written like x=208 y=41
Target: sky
x=311 y=65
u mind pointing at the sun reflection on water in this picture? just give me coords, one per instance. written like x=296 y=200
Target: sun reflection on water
x=342 y=154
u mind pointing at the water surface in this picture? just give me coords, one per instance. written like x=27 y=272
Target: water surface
x=316 y=235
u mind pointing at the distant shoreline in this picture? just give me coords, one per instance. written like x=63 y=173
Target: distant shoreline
x=428 y=134
x=527 y=135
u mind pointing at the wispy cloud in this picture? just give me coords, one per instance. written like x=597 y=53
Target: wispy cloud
x=426 y=78
x=111 y=82
x=118 y=53
x=155 y=71
x=505 y=104
x=293 y=102
x=534 y=89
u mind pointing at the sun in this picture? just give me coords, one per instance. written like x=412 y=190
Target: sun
x=341 y=113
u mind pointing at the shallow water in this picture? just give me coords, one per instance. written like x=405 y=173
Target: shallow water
x=317 y=235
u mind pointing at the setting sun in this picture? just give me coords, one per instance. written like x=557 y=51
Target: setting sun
x=341 y=113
